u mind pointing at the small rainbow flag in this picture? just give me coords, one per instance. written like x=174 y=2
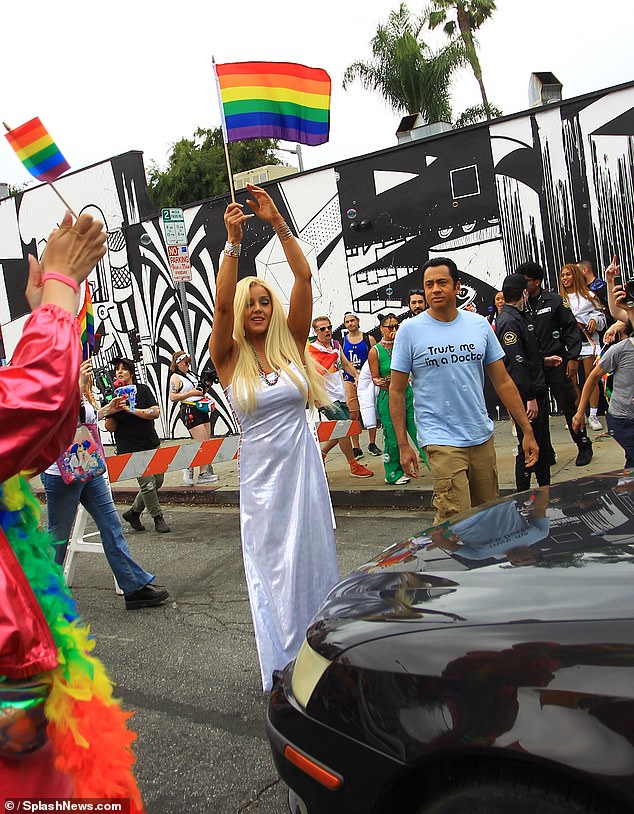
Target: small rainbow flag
x=279 y=100
x=38 y=152
x=86 y=321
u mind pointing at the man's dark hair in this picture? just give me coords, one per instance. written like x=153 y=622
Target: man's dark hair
x=434 y=262
x=587 y=263
x=513 y=287
x=415 y=291
x=531 y=269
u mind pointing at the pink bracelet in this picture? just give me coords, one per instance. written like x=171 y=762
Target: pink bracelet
x=62 y=278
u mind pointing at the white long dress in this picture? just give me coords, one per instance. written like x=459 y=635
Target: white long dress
x=288 y=541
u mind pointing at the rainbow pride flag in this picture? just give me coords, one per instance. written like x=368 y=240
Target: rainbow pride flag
x=279 y=100
x=38 y=152
x=86 y=321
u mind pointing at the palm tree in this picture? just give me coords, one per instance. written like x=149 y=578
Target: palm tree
x=470 y=15
x=475 y=114
x=405 y=71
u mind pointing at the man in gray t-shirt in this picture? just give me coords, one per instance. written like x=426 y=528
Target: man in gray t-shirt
x=619 y=360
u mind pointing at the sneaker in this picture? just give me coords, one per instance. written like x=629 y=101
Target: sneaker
x=585 y=454
x=358 y=453
x=357 y=470
x=188 y=477
x=146 y=597
x=160 y=525
x=400 y=482
x=134 y=519
x=208 y=477
x=594 y=422
x=374 y=450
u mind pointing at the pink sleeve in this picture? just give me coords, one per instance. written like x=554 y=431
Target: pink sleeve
x=39 y=393
x=26 y=642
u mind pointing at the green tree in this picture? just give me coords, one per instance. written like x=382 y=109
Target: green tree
x=469 y=16
x=197 y=168
x=405 y=71
x=15 y=190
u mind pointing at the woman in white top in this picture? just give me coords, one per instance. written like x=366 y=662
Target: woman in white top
x=184 y=389
x=588 y=311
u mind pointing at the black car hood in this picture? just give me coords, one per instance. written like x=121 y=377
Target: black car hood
x=551 y=554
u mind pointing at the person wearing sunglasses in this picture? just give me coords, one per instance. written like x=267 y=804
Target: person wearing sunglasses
x=186 y=391
x=259 y=352
x=356 y=346
x=328 y=356
x=379 y=360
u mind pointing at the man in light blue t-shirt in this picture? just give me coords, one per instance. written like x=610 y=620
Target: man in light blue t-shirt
x=446 y=352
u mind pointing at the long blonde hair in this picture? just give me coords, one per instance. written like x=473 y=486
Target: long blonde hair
x=279 y=347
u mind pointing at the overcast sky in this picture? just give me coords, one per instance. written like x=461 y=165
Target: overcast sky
x=137 y=75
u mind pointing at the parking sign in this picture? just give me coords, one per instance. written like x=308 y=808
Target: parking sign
x=176 y=239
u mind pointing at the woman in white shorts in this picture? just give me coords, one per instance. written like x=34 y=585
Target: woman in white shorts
x=588 y=311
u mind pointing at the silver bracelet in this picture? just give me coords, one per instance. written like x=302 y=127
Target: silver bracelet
x=283 y=231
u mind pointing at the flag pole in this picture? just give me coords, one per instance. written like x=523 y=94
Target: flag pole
x=224 y=133
x=52 y=186
x=63 y=200
x=231 y=187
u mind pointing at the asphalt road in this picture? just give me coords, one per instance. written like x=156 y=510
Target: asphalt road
x=189 y=669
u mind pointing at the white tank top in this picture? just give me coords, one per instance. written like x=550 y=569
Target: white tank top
x=188 y=384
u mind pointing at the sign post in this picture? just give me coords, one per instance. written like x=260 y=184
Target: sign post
x=173 y=220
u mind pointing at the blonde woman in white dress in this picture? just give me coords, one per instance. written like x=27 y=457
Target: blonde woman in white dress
x=285 y=512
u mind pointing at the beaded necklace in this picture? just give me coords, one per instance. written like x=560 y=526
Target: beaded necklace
x=269 y=379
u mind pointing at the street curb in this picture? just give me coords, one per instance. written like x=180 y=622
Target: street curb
x=341 y=498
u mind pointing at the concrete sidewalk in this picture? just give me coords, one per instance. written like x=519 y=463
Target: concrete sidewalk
x=347 y=491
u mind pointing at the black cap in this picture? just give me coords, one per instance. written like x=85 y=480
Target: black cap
x=513 y=287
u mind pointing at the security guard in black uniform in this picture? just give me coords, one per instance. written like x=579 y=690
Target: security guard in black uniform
x=558 y=336
x=524 y=363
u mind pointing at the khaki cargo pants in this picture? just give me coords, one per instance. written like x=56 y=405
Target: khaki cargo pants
x=463 y=477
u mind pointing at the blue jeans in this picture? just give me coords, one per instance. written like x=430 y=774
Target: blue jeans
x=622 y=430
x=63 y=499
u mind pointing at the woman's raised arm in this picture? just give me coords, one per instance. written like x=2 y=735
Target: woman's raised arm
x=222 y=347
x=301 y=300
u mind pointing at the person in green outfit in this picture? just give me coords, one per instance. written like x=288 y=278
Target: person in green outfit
x=379 y=360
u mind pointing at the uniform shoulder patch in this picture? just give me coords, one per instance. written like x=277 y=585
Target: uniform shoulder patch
x=509 y=338
x=565 y=303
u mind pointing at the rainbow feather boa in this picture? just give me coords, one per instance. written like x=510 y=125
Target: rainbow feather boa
x=80 y=707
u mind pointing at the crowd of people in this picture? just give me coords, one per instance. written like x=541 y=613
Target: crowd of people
x=425 y=377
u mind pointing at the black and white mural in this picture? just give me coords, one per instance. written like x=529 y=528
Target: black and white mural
x=553 y=184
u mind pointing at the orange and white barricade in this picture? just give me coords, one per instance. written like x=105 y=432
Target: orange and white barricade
x=173 y=457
